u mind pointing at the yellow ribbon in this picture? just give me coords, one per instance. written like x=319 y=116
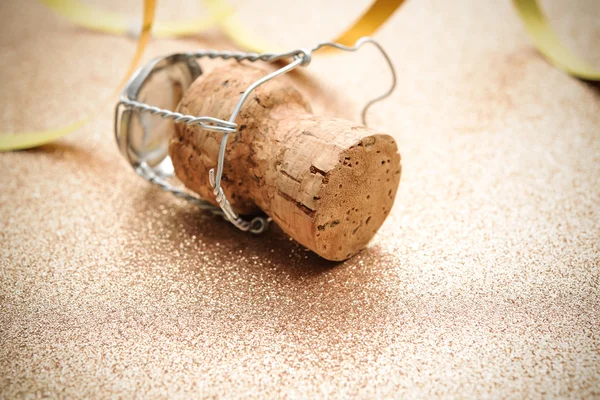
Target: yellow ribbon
x=25 y=140
x=93 y=18
x=371 y=20
x=88 y=16
x=549 y=44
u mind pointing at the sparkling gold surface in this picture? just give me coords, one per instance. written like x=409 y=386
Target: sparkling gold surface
x=484 y=281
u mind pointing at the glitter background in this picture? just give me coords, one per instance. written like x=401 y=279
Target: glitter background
x=483 y=282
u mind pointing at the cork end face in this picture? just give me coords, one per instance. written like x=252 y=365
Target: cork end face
x=356 y=197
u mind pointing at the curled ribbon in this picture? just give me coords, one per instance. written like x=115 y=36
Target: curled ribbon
x=536 y=24
x=371 y=20
x=549 y=44
x=92 y=18
x=26 y=140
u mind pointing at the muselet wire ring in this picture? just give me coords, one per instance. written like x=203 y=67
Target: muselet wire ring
x=144 y=120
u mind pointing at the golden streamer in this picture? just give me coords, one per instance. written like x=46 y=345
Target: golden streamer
x=549 y=44
x=220 y=13
x=371 y=20
x=93 y=18
x=25 y=140
x=546 y=40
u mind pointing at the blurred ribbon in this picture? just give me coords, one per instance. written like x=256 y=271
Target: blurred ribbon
x=219 y=13
x=93 y=18
x=25 y=140
x=371 y=20
x=546 y=40
x=549 y=44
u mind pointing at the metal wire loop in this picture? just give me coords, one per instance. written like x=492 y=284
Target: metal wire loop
x=300 y=57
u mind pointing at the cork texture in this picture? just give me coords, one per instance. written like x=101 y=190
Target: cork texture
x=326 y=182
x=483 y=282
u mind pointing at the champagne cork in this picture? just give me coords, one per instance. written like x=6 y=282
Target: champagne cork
x=328 y=183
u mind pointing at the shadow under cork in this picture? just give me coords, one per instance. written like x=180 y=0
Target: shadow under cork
x=243 y=284
x=202 y=233
x=228 y=243
x=273 y=245
x=201 y=271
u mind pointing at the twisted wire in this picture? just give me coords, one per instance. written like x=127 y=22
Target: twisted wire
x=256 y=225
x=241 y=56
x=147 y=173
x=301 y=57
x=221 y=125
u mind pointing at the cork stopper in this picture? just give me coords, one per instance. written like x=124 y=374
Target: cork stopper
x=329 y=183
